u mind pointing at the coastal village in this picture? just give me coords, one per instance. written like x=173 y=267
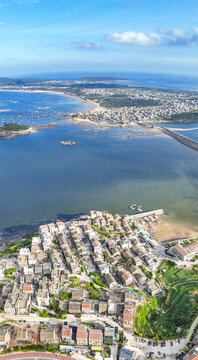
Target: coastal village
x=77 y=285
x=164 y=106
x=120 y=106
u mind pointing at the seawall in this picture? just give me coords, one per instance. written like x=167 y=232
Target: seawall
x=148 y=213
x=181 y=138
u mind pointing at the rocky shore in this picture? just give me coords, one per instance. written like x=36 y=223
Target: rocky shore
x=10 y=134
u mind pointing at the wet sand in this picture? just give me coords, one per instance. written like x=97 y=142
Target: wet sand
x=169 y=230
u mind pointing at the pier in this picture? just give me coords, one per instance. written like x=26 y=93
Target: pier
x=181 y=138
x=149 y=213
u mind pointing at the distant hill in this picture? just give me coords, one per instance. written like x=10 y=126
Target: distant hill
x=20 y=81
x=99 y=78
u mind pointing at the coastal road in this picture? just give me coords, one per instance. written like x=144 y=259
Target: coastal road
x=132 y=342
x=176 y=348
x=35 y=355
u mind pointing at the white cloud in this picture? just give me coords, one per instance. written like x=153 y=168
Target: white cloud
x=26 y=2
x=135 y=38
x=87 y=45
x=163 y=36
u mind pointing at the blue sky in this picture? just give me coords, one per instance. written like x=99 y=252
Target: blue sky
x=159 y=36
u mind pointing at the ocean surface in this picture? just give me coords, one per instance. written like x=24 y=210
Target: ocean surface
x=41 y=180
x=166 y=81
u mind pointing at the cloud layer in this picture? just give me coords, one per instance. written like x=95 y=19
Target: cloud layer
x=26 y=2
x=163 y=36
x=87 y=45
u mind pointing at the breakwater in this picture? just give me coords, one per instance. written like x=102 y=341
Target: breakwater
x=148 y=213
x=181 y=138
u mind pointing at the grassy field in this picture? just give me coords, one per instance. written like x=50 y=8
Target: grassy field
x=176 y=309
x=17 y=245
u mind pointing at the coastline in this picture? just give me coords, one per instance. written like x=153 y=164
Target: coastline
x=83 y=101
x=171 y=230
x=10 y=134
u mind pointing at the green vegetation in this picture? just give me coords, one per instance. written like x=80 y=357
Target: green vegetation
x=149 y=274
x=188 y=116
x=107 y=352
x=91 y=325
x=121 y=100
x=107 y=258
x=128 y=262
x=65 y=295
x=143 y=314
x=94 y=293
x=97 y=280
x=59 y=314
x=103 y=234
x=32 y=347
x=134 y=227
x=10 y=272
x=176 y=310
x=13 y=127
x=121 y=339
x=17 y=245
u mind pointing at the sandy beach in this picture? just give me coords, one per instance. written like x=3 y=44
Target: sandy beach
x=169 y=230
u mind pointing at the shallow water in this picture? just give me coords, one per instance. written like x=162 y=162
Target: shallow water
x=40 y=179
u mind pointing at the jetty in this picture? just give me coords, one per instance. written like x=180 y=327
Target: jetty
x=181 y=138
x=148 y=213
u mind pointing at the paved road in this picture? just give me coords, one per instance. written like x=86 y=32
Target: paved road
x=35 y=355
x=131 y=340
x=176 y=348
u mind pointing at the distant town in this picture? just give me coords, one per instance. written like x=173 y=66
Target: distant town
x=116 y=104
x=100 y=286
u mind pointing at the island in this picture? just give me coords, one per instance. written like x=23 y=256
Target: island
x=69 y=143
x=8 y=131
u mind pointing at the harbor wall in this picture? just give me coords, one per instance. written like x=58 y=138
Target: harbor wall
x=181 y=138
x=148 y=213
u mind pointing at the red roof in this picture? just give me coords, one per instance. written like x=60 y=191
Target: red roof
x=86 y=305
x=51 y=226
x=95 y=334
x=81 y=333
x=128 y=307
x=66 y=331
x=43 y=227
x=27 y=288
x=127 y=316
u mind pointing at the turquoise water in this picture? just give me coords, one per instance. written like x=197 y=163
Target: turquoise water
x=42 y=180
